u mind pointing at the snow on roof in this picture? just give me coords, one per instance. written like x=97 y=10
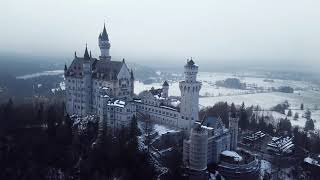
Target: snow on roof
x=137 y=100
x=311 y=161
x=170 y=108
x=105 y=88
x=160 y=129
x=233 y=154
x=175 y=103
x=158 y=97
x=117 y=103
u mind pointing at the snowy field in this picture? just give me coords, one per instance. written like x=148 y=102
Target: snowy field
x=305 y=94
x=44 y=73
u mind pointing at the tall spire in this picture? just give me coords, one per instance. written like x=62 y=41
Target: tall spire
x=104 y=35
x=65 y=67
x=75 y=54
x=86 y=54
x=131 y=73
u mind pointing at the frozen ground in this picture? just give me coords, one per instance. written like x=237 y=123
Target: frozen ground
x=305 y=94
x=265 y=168
x=44 y=73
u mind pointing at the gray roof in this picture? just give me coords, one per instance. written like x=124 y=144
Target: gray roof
x=214 y=122
x=75 y=68
x=156 y=91
x=104 y=35
x=165 y=83
x=107 y=70
x=190 y=63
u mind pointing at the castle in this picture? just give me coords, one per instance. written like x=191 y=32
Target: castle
x=89 y=81
x=106 y=88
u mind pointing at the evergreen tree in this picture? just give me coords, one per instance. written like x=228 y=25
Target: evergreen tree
x=302 y=106
x=243 y=120
x=309 y=125
x=296 y=116
x=233 y=110
x=289 y=113
x=308 y=114
x=285 y=125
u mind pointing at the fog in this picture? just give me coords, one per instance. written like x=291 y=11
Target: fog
x=216 y=33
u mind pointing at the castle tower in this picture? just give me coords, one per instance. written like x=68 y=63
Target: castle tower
x=165 y=90
x=87 y=82
x=104 y=44
x=198 y=148
x=233 y=128
x=190 y=87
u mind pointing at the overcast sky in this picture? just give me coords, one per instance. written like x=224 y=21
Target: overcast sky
x=212 y=31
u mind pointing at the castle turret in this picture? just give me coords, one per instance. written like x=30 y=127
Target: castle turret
x=104 y=44
x=190 y=87
x=165 y=89
x=86 y=53
x=198 y=148
x=87 y=73
x=65 y=69
x=233 y=128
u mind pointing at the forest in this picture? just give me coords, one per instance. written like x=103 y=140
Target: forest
x=40 y=141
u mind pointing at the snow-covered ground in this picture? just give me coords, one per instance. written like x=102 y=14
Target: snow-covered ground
x=44 y=73
x=265 y=167
x=305 y=94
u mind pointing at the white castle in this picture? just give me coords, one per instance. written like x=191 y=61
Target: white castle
x=105 y=88
x=89 y=80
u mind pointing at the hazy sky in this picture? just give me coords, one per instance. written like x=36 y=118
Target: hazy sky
x=211 y=31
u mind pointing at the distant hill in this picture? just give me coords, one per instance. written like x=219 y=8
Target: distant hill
x=142 y=72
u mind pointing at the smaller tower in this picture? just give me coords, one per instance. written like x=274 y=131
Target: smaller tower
x=87 y=73
x=165 y=90
x=104 y=44
x=198 y=148
x=233 y=128
x=65 y=69
x=86 y=53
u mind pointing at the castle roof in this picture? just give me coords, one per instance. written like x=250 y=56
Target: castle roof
x=75 y=68
x=107 y=70
x=214 y=122
x=165 y=83
x=190 y=63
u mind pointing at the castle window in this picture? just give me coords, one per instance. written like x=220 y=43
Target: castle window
x=182 y=117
